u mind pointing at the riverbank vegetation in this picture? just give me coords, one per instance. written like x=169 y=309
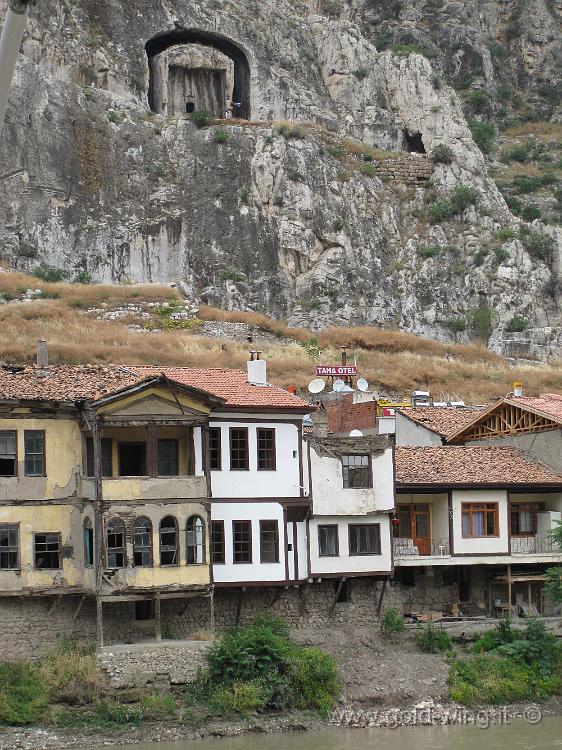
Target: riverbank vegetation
x=252 y=670
x=508 y=665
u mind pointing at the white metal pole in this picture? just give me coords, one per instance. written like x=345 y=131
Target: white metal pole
x=10 y=42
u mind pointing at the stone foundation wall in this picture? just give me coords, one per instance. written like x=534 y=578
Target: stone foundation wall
x=410 y=170
x=174 y=663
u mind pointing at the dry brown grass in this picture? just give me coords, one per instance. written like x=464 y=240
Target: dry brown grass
x=542 y=130
x=15 y=283
x=394 y=363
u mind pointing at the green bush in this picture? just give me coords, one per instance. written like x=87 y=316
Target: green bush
x=492 y=679
x=441 y=211
x=338 y=225
x=536 y=244
x=456 y=325
x=432 y=640
x=220 y=135
x=83 y=277
x=157 y=707
x=501 y=255
x=483 y=135
x=496 y=637
x=70 y=674
x=270 y=670
x=368 y=169
x=537 y=648
x=519 y=152
x=200 y=118
x=479 y=257
x=523 y=184
x=239 y=698
x=481 y=321
x=23 y=698
x=530 y=212
x=115 y=117
x=410 y=49
x=506 y=233
x=392 y=621
x=428 y=251
x=478 y=100
x=463 y=197
x=442 y=154
x=517 y=324
x=290 y=131
x=314 y=679
x=50 y=273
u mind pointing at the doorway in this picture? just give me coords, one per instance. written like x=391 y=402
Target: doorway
x=415 y=525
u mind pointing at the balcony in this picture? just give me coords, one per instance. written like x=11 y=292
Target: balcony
x=408 y=548
x=534 y=545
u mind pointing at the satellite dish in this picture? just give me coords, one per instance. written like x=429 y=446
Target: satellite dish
x=316 y=386
x=355 y=433
x=362 y=385
x=339 y=385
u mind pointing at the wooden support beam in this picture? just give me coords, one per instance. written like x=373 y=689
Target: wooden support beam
x=303 y=597
x=509 y=588
x=157 y=619
x=212 y=613
x=276 y=596
x=79 y=607
x=336 y=596
x=99 y=622
x=238 y=608
x=54 y=604
x=381 y=597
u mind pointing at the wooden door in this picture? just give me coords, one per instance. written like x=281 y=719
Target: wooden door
x=421 y=529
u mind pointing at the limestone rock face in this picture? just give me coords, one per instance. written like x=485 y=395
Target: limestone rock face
x=305 y=221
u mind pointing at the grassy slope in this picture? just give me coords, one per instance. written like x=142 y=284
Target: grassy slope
x=392 y=362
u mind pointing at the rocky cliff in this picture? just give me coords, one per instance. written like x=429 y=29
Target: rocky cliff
x=323 y=204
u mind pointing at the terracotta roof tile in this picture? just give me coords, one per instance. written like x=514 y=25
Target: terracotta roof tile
x=479 y=465
x=84 y=382
x=547 y=403
x=444 y=420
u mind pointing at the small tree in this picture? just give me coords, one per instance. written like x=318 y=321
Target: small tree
x=392 y=622
x=553 y=586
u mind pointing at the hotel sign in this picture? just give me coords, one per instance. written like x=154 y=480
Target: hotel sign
x=336 y=370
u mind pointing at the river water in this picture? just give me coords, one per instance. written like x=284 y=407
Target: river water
x=515 y=736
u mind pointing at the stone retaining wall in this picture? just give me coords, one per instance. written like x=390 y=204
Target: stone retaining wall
x=162 y=665
x=411 y=170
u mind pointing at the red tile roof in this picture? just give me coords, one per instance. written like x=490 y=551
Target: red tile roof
x=549 y=404
x=479 y=465
x=90 y=382
x=443 y=420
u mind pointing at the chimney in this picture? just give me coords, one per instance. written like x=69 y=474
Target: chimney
x=257 y=369
x=42 y=358
x=518 y=389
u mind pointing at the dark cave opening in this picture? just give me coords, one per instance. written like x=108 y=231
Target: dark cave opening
x=413 y=142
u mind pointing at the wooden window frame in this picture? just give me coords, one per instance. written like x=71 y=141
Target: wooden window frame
x=88 y=526
x=177 y=456
x=47 y=533
x=11 y=526
x=16 y=468
x=230 y=436
x=369 y=467
x=217 y=431
x=124 y=547
x=177 y=546
x=274 y=448
x=250 y=545
x=329 y=526
x=275 y=540
x=222 y=543
x=104 y=442
x=533 y=508
x=475 y=507
x=375 y=526
x=203 y=544
x=44 y=454
x=147 y=520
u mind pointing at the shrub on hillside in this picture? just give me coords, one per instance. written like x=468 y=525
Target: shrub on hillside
x=392 y=622
x=50 y=273
x=538 y=245
x=517 y=324
x=200 y=118
x=23 y=699
x=442 y=154
x=483 y=135
x=433 y=640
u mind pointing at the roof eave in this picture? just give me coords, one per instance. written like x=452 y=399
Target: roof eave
x=445 y=486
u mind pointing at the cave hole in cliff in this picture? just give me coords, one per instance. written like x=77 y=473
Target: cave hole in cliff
x=191 y=69
x=413 y=142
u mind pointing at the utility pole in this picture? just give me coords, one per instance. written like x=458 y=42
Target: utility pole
x=10 y=42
